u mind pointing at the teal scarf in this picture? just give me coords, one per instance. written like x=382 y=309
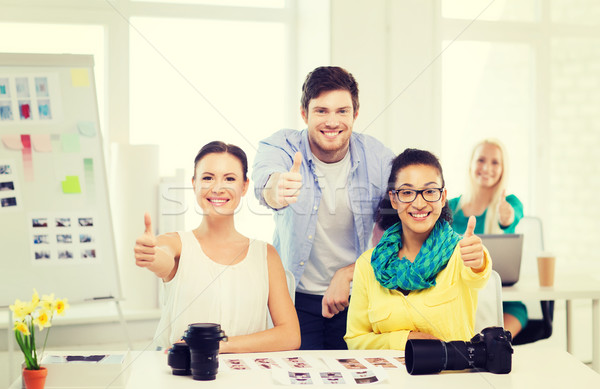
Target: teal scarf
x=433 y=257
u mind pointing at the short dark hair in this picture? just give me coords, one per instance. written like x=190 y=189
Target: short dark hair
x=325 y=79
x=387 y=216
x=221 y=147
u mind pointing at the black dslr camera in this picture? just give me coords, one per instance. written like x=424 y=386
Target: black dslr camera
x=490 y=350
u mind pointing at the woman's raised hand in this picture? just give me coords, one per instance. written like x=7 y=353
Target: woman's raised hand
x=471 y=249
x=145 y=245
x=506 y=213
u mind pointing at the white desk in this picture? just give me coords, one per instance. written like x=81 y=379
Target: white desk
x=567 y=287
x=532 y=368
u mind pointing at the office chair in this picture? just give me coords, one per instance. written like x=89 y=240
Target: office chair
x=536 y=329
x=489 y=304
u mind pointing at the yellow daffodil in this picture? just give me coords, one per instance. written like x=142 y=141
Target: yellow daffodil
x=43 y=319
x=60 y=306
x=48 y=302
x=35 y=299
x=22 y=328
x=21 y=309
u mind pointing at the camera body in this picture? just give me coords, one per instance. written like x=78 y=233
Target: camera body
x=490 y=350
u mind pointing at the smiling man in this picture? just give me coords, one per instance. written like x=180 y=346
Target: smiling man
x=324 y=183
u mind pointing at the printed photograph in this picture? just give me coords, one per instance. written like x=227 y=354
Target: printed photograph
x=85 y=238
x=63 y=222
x=297 y=363
x=382 y=362
x=41 y=239
x=5 y=169
x=236 y=364
x=266 y=363
x=39 y=222
x=64 y=238
x=351 y=363
x=332 y=377
x=39 y=255
x=400 y=359
x=8 y=202
x=22 y=84
x=88 y=253
x=364 y=377
x=65 y=254
x=300 y=378
x=7 y=185
x=41 y=86
x=86 y=222
x=6 y=110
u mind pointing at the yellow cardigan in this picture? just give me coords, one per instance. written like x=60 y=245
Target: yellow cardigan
x=381 y=318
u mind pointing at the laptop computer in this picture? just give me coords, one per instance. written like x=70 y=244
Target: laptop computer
x=506 y=251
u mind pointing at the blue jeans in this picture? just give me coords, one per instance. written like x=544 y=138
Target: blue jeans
x=318 y=332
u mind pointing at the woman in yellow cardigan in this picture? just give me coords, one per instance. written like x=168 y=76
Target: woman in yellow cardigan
x=421 y=280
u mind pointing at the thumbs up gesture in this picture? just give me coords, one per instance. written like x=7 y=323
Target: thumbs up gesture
x=145 y=245
x=506 y=213
x=283 y=189
x=471 y=249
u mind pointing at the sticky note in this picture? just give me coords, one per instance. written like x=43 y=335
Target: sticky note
x=71 y=185
x=12 y=141
x=41 y=143
x=87 y=129
x=70 y=143
x=80 y=77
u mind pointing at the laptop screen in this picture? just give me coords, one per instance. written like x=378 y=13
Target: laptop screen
x=506 y=251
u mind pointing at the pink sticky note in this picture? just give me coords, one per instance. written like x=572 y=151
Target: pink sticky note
x=12 y=141
x=41 y=143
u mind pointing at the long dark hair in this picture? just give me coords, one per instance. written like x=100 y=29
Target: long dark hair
x=221 y=147
x=387 y=216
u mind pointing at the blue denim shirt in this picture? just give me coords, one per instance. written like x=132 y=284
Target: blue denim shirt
x=295 y=224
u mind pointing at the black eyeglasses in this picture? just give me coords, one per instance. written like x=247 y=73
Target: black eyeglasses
x=409 y=195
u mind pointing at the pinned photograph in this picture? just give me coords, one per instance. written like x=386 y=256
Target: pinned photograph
x=63 y=222
x=86 y=222
x=40 y=255
x=44 y=109
x=41 y=86
x=236 y=364
x=22 y=84
x=332 y=377
x=300 y=378
x=5 y=169
x=85 y=238
x=6 y=110
x=8 y=202
x=4 y=87
x=25 y=109
x=65 y=254
x=64 y=238
x=88 y=253
x=41 y=239
x=39 y=222
x=7 y=186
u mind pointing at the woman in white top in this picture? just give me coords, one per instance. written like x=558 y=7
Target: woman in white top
x=214 y=273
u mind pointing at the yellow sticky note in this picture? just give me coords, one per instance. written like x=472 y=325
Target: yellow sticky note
x=71 y=185
x=80 y=77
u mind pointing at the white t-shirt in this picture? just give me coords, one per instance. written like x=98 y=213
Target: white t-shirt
x=203 y=291
x=333 y=245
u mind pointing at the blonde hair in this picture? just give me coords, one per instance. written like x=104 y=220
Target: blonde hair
x=492 y=225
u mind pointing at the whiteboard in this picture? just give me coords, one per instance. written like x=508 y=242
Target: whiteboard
x=56 y=232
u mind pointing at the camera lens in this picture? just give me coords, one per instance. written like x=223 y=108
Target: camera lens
x=203 y=340
x=179 y=359
x=425 y=356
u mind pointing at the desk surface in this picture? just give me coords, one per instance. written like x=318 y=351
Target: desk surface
x=566 y=287
x=532 y=367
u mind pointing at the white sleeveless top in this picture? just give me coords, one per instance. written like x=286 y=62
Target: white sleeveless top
x=203 y=291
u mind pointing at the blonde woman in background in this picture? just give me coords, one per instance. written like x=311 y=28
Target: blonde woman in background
x=495 y=212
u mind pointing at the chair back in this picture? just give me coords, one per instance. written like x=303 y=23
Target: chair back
x=489 y=304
